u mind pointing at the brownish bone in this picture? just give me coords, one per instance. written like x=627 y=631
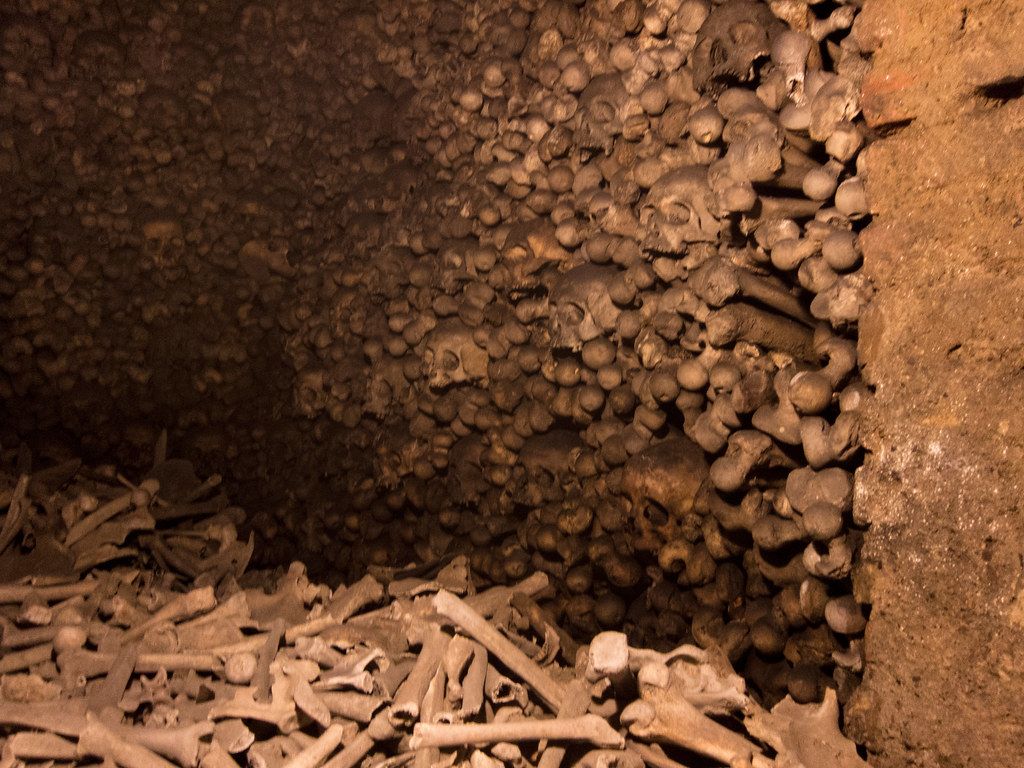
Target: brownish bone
x=736 y=322
x=379 y=729
x=759 y=289
x=787 y=208
x=66 y=718
x=28 y=745
x=110 y=691
x=405 y=709
x=489 y=602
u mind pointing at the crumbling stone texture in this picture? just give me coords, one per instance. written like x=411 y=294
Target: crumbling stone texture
x=942 y=346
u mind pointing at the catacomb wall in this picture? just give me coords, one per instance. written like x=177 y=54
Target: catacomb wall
x=568 y=286
x=414 y=275
x=942 y=348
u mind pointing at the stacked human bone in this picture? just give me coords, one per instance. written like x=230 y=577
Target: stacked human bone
x=612 y=335
x=511 y=255
x=133 y=642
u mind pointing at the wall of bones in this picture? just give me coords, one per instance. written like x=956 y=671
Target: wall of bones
x=560 y=286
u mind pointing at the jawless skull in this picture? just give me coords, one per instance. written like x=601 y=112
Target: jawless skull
x=387 y=386
x=680 y=208
x=734 y=36
x=667 y=487
x=603 y=109
x=547 y=461
x=452 y=356
x=465 y=480
x=164 y=241
x=581 y=307
x=312 y=393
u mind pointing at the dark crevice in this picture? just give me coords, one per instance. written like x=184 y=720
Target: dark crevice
x=1002 y=90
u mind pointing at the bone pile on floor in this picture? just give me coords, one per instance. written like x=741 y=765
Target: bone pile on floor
x=133 y=635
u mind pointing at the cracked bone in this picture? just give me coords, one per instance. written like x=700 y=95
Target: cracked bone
x=314 y=755
x=577 y=700
x=735 y=322
x=19 y=593
x=280 y=712
x=181 y=607
x=405 y=708
x=716 y=281
x=181 y=745
x=805 y=735
x=378 y=729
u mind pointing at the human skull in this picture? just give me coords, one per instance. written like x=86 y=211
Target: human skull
x=734 y=35
x=466 y=481
x=547 y=461
x=581 y=306
x=257 y=257
x=680 y=208
x=386 y=386
x=164 y=242
x=604 y=108
x=452 y=356
x=311 y=392
x=526 y=249
x=667 y=487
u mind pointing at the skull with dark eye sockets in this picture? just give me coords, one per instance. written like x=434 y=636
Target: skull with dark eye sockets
x=733 y=37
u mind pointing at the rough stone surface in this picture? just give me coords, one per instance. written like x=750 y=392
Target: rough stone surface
x=943 y=349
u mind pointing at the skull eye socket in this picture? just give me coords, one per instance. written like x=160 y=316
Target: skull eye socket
x=676 y=212
x=718 y=55
x=571 y=314
x=603 y=111
x=449 y=361
x=655 y=514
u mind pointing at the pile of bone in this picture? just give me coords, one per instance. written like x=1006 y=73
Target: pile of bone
x=620 y=301
x=145 y=667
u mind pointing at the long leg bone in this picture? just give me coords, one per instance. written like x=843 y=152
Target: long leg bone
x=589 y=728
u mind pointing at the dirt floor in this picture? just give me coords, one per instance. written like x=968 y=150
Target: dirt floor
x=944 y=348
